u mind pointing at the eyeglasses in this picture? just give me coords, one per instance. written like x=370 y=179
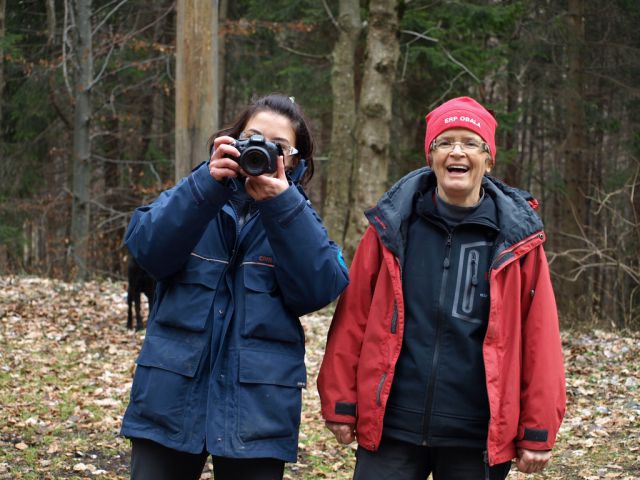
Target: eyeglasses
x=470 y=145
x=287 y=150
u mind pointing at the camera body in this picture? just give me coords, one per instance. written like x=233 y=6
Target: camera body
x=257 y=155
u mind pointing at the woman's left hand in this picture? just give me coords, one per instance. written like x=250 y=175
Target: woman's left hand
x=532 y=461
x=263 y=187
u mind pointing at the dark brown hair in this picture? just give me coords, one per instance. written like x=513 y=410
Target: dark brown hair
x=282 y=105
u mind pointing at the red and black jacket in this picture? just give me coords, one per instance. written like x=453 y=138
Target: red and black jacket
x=524 y=372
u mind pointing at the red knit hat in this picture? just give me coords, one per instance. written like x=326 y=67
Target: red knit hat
x=461 y=112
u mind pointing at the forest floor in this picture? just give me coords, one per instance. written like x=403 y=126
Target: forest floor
x=66 y=363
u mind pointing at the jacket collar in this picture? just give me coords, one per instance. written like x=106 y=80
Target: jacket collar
x=516 y=219
x=484 y=214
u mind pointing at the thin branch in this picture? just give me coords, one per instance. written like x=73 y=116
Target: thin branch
x=333 y=19
x=65 y=42
x=151 y=24
x=106 y=17
x=446 y=52
x=303 y=54
x=445 y=94
x=138 y=62
x=104 y=67
x=460 y=64
x=633 y=91
x=420 y=35
x=147 y=163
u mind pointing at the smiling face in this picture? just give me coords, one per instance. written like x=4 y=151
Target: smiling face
x=459 y=171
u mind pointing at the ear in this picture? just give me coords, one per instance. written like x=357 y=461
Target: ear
x=489 y=164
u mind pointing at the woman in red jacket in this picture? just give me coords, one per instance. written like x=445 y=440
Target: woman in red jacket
x=444 y=354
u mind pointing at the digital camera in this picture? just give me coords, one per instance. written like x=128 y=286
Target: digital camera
x=257 y=155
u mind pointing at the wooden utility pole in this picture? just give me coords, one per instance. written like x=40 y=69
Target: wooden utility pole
x=196 y=81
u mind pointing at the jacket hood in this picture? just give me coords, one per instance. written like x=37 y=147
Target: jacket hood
x=517 y=219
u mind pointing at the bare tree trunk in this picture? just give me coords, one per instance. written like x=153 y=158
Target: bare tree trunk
x=343 y=141
x=80 y=212
x=196 y=81
x=513 y=169
x=374 y=113
x=51 y=21
x=576 y=164
x=3 y=6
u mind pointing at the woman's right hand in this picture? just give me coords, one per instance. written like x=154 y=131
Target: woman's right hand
x=220 y=166
x=345 y=433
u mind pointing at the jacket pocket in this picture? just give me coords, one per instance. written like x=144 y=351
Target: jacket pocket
x=265 y=315
x=269 y=395
x=162 y=382
x=188 y=299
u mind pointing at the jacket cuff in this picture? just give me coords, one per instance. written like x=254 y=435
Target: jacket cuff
x=345 y=408
x=536 y=434
x=534 y=439
x=340 y=412
x=284 y=207
x=206 y=188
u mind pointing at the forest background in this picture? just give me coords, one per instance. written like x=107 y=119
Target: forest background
x=103 y=104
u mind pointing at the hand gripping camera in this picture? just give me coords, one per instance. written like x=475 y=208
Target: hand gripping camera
x=257 y=156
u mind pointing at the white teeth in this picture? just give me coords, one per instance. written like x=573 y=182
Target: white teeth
x=457 y=168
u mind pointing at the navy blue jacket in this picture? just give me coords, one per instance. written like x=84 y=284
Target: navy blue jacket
x=222 y=364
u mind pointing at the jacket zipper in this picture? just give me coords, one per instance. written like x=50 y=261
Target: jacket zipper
x=439 y=328
x=379 y=390
x=510 y=250
x=472 y=283
x=532 y=292
x=394 y=318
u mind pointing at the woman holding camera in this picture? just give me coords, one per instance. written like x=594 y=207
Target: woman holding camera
x=238 y=258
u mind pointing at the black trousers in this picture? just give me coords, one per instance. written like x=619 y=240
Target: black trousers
x=397 y=460
x=152 y=461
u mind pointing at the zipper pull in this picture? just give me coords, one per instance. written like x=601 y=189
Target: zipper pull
x=448 y=252
x=474 y=268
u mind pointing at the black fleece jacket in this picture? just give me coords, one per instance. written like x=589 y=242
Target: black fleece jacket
x=438 y=397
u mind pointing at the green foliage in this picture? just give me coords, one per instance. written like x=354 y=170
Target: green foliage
x=10 y=236
x=30 y=113
x=618 y=178
x=282 y=10
x=9 y=43
x=280 y=53
x=470 y=40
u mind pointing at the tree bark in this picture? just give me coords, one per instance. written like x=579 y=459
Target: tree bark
x=3 y=6
x=51 y=21
x=343 y=141
x=196 y=81
x=223 y=14
x=575 y=146
x=576 y=165
x=374 y=114
x=513 y=169
x=80 y=212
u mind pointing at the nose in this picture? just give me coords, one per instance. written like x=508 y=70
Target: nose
x=458 y=146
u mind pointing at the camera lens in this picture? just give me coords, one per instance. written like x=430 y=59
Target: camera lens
x=254 y=161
